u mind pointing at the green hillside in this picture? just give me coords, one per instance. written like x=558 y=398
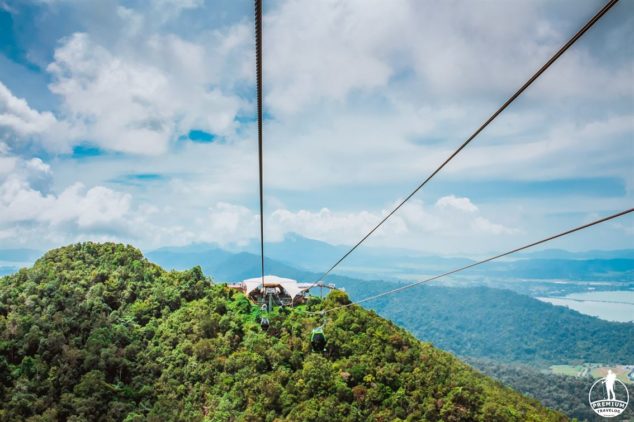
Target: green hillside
x=508 y=327
x=94 y=332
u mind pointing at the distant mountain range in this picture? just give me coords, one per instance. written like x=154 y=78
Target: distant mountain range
x=221 y=264
x=299 y=256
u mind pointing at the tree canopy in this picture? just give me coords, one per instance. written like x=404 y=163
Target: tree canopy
x=507 y=327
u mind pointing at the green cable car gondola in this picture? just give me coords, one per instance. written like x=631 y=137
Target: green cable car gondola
x=318 y=339
x=262 y=319
x=265 y=323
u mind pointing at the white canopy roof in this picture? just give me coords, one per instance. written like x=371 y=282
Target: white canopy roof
x=292 y=287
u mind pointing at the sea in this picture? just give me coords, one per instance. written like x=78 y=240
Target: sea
x=607 y=305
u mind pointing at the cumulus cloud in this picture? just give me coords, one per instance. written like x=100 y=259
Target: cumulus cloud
x=27 y=201
x=461 y=204
x=19 y=123
x=420 y=98
x=415 y=226
x=324 y=50
x=126 y=84
x=413 y=221
x=171 y=8
x=326 y=225
x=135 y=105
x=16 y=115
x=86 y=208
x=229 y=224
x=94 y=207
x=469 y=216
x=340 y=48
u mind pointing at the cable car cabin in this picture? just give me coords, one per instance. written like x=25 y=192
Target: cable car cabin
x=264 y=323
x=318 y=340
x=277 y=291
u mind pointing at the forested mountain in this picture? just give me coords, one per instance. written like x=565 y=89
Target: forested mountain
x=507 y=327
x=96 y=332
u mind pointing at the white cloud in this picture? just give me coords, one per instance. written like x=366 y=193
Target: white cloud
x=591 y=148
x=323 y=49
x=20 y=123
x=169 y=9
x=461 y=204
x=323 y=225
x=466 y=52
x=7 y=164
x=86 y=208
x=229 y=223
x=33 y=172
x=16 y=115
x=127 y=84
x=136 y=105
x=481 y=224
x=26 y=199
x=38 y=165
x=412 y=222
x=100 y=213
x=469 y=217
x=429 y=96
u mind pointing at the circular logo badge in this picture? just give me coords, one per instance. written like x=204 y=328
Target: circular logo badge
x=608 y=396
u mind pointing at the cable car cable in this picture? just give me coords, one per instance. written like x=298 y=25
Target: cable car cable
x=258 y=71
x=475 y=264
x=508 y=102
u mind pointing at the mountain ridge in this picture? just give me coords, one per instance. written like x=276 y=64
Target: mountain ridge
x=402 y=264
x=391 y=264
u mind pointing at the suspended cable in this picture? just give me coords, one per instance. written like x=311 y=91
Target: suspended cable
x=475 y=264
x=508 y=102
x=258 y=71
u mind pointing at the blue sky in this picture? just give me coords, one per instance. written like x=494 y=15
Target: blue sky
x=133 y=121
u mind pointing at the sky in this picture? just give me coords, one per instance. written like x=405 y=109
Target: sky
x=134 y=121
